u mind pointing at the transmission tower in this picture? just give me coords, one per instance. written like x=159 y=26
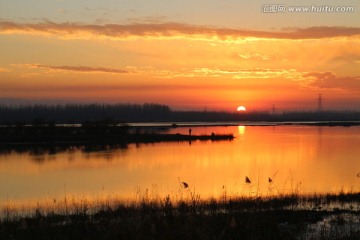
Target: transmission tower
x=273 y=109
x=320 y=103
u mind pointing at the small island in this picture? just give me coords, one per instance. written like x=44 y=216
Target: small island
x=94 y=133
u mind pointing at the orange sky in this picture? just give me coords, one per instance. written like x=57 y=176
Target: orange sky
x=184 y=65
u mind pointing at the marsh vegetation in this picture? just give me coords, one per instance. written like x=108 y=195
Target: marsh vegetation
x=331 y=216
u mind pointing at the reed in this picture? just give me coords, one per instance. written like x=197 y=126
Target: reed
x=287 y=216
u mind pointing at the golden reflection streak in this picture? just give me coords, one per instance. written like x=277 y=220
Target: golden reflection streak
x=241 y=130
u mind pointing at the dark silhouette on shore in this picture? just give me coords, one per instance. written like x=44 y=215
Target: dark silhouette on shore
x=101 y=133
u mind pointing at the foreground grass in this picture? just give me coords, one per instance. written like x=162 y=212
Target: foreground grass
x=283 y=217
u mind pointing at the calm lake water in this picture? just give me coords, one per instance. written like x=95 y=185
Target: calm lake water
x=302 y=159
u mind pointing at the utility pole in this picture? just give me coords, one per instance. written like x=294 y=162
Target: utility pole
x=320 y=103
x=273 y=109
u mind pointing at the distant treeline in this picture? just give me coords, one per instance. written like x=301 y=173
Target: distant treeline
x=77 y=113
x=107 y=113
x=150 y=112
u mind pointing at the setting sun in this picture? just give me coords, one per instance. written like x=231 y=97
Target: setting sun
x=241 y=109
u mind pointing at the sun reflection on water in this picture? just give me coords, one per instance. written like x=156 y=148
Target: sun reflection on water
x=241 y=130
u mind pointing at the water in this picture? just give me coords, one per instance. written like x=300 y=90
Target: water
x=298 y=159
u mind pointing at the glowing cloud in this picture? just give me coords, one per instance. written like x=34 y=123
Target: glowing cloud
x=330 y=80
x=3 y=69
x=167 y=30
x=82 y=69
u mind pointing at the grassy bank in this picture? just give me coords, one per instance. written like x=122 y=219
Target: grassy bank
x=334 y=216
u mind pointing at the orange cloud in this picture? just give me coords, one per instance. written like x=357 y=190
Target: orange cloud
x=3 y=69
x=330 y=80
x=251 y=73
x=168 y=30
x=82 y=69
x=134 y=88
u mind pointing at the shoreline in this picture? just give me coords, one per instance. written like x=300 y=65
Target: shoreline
x=204 y=124
x=12 y=136
x=244 y=123
x=123 y=134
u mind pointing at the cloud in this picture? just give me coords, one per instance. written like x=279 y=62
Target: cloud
x=253 y=57
x=135 y=88
x=229 y=73
x=81 y=69
x=241 y=73
x=3 y=70
x=331 y=81
x=250 y=73
x=348 y=57
x=167 y=30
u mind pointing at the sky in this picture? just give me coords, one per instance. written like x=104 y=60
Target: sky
x=190 y=55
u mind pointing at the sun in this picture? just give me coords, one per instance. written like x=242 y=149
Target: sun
x=241 y=109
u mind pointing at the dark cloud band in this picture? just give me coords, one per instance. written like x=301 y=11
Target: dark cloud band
x=171 y=30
